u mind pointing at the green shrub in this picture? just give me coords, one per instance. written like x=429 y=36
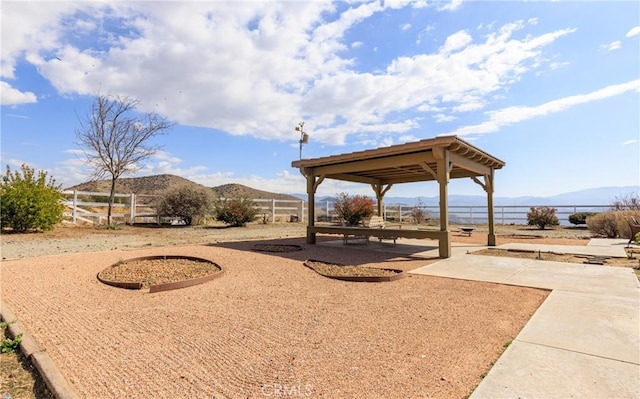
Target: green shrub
x=636 y=239
x=542 y=217
x=603 y=224
x=580 y=217
x=9 y=345
x=235 y=211
x=29 y=201
x=185 y=203
x=352 y=209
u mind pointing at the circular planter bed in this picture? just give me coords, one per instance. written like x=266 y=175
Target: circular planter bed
x=276 y=248
x=160 y=273
x=353 y=273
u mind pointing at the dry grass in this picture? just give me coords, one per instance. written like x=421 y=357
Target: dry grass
x=19 y=378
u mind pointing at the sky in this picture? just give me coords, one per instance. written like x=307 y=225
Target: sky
x=552 y=88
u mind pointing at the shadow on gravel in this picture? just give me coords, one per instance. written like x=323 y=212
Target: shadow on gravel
x=346 y=254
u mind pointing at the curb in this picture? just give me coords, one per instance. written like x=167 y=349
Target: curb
x=49 y=371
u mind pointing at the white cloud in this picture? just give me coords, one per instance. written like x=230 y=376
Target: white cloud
x=635 y=31
x=18 y=116
x=16 y=164
x=612 y=46
x=12 y=96
x=456 y=41
x=628 y=142
x=470 y=105
x=256 y=68
x=450 y=5
x=444 y=118
x=511 y=115
x=405 y=26
x=558 y=65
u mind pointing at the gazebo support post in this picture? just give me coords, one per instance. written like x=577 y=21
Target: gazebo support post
x=443 y=172
x=488 y=188
x=380 y=191
x=312 y=186
x=491 y=237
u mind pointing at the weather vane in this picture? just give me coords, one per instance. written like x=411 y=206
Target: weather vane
x=304 y=137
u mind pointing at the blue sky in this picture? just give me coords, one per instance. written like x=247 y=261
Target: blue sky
x=551 y=88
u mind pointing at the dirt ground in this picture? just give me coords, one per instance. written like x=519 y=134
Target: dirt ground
x=73 y=239
x=269 y=326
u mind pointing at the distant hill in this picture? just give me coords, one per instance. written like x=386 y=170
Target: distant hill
x=158 y=184
x=238 y=190
x=591 y=196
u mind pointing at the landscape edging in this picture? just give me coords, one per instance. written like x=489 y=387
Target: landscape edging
x=48 y=370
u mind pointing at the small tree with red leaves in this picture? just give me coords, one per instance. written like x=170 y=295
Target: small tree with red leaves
x=353 y=209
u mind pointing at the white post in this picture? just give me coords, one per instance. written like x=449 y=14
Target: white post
x=273 y=210
x=132 y=208
x=302 y=211
x=74 y=213
x=327 y=207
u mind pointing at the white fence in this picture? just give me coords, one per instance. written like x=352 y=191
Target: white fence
x=132 y=208
x=139 y=208
x=473 y=214
x=81 y=207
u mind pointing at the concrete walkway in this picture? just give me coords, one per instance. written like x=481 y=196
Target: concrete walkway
x=584 y=341
x=614 y=251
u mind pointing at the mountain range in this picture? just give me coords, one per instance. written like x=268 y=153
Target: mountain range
x=158 y=184
x=591 y=196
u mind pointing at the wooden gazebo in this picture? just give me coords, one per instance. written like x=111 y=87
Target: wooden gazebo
x=439 y=159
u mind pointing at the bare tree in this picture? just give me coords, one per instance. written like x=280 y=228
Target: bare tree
x=115 y=138
x=630 y=201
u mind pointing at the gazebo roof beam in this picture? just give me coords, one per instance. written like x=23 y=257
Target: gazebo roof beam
x=375 y=164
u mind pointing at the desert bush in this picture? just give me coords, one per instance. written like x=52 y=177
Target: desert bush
x=622 y=225
x=418 y=214
x=580 y=217
x=542 y=217
x=185 y=203
x=29 y=201
x=603 y=224
x=352 y=209
x=235 y=211
x=627 y=202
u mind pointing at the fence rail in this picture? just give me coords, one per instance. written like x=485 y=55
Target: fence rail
x=134 y=207
x=131 y=208
x=470 y=214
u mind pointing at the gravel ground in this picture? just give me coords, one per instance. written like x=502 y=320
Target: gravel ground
x=74 y=239
x=269 y=327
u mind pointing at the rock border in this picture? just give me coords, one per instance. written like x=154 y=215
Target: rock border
x=56 y=382
x=166 y=286
x=362 y=279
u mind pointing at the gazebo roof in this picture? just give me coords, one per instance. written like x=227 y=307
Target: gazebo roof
x=404 y=163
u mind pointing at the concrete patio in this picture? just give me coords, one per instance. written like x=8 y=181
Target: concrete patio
x=584 y=341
